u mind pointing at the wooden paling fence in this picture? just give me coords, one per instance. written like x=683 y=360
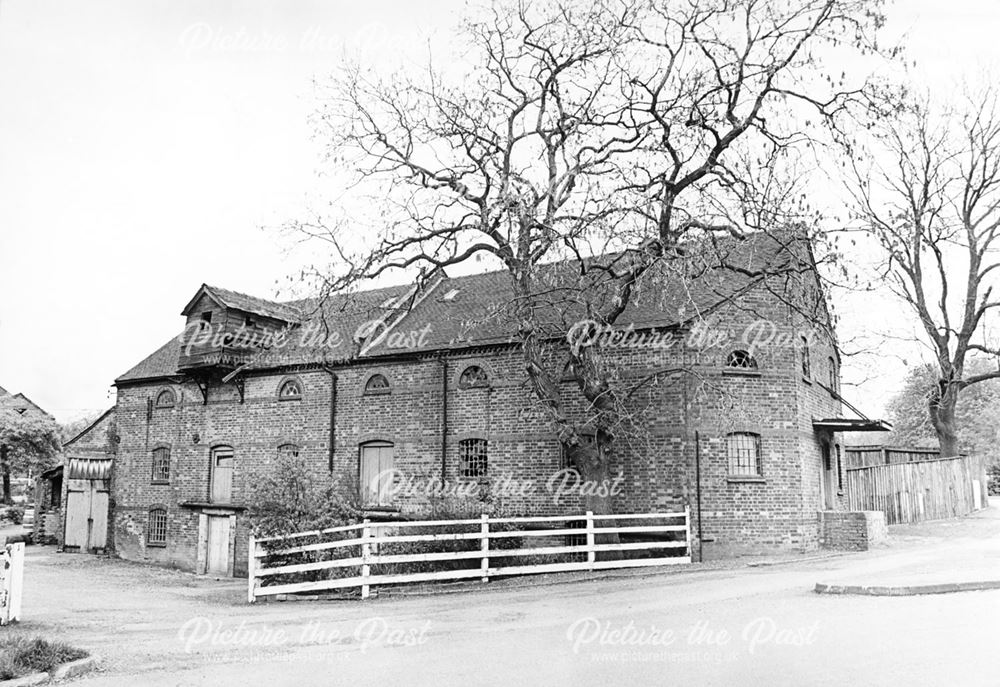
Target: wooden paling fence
x=923 y=490
x=865 y=456
x=364 y=555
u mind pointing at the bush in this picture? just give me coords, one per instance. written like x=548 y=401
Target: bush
x=21 y=656
x=993 y=478
x=13 y=514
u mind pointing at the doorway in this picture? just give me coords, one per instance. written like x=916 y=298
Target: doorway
x=828 y=477
x=217 y=562
x=375 y=478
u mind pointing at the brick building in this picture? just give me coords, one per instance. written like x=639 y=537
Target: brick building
x=430 y=383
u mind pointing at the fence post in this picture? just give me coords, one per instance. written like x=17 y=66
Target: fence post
x=687 y=530
x=591 y=554
x=484 y=530
x=366 y=551
x=251 y=569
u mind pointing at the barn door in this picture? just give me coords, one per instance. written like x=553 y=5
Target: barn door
x=86 y=514
x=374 y=477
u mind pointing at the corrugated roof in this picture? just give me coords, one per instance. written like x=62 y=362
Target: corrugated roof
x=479 y=313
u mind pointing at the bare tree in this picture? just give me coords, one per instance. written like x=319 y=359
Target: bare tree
x=623 y=129
x=930 y=193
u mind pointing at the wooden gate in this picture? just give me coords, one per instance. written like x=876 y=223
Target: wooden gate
x=87 y=500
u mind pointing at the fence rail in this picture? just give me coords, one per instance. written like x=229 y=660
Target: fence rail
x=350 y=553
x=921 y=490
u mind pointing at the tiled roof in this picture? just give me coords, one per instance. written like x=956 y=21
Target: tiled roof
x=19 y=402
x=475 y=310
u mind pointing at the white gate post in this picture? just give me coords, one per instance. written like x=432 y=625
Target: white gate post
x=591 y=554
x=484 y=530
x=687 y=531
x=13 y=577
x=366 y=551
x=251 y=569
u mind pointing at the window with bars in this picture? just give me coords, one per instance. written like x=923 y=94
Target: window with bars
x=473 y=453
x=473 y=377
x=743 y=449
x=166 y=399
x=161 y=464
x=377 y=384
x=741 y=360
x=806 y=364
x=288 y=451
x=156 y=528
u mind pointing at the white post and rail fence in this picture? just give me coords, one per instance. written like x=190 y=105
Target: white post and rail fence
x=370 y=554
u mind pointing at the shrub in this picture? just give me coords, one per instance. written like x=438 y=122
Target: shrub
x=993 y=477
x=21 y=656
x=14 y=514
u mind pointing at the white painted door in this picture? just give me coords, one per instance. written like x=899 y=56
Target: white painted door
x=218 y=545
x=375 y=477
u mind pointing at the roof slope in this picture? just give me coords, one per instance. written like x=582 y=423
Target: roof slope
x=476 y=310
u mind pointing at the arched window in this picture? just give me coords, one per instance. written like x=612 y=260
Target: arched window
x=741 y=360
x=156 y=527
x=743 y=450
x=166 y=399
x=290 y=390
x=377 y=384
x=832 y=364
x=473 y=453
x=161 y=464
x=288 y=451
x=473 y=377
x=806 y=364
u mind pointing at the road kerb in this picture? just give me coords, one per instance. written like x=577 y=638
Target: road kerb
x=905 y=590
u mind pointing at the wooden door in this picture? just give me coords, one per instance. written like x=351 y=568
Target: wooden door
x=86 y=514
x=218 y=545
x=828 y=477
x=374 y=478
x=222 y=475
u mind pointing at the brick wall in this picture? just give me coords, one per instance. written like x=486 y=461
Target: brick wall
x=852 y=530
x=689 y=392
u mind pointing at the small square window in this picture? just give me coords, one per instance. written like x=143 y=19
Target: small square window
x=206 y=317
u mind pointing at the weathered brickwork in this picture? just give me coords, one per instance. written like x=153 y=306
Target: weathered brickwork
x=686 y=401
x=852 y=530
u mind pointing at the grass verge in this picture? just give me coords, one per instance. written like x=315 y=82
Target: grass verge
x=20 y=656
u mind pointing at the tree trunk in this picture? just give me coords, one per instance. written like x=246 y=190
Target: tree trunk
x=591 y=460
x=942 y=410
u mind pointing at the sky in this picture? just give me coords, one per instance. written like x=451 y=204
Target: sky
x=148 y=147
